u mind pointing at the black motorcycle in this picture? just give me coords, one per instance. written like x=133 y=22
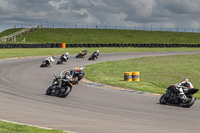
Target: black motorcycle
x=82 y=54
x=62 y=59
x=93 y=56
x=60 y=87
x=171 y=96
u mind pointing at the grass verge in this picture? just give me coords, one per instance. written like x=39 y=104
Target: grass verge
x=81 y=36
x=156 y=73
x=19 y=52
x=7 y=127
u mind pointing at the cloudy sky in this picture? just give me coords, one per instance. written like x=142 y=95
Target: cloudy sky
x=140 y=14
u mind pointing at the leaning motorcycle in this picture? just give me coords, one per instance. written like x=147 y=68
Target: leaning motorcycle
x=171 y=96
x=60 y=90
x=78 y=72
x=62 y=59
x=93 y=57
x=82 y=54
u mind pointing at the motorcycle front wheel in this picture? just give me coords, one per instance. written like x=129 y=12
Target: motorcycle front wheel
x=48 y=91
x=163 y=99
x=90 y=58
x=59 y=62
x=190 y=102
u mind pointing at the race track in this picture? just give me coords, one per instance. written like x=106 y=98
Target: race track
x=89 y=108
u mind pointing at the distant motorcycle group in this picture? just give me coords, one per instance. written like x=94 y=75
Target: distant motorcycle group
x=93 y=56
x=62 y=85
x=64 y=57
x=49 y=60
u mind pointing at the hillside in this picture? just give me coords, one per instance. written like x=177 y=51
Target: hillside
x=81 y=36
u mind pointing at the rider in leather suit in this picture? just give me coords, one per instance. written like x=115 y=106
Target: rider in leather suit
x=179 y=86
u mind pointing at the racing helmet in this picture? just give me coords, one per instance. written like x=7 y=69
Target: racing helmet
x=67 y=73
x=186 y=79
x=97 y=51
x=67 y=53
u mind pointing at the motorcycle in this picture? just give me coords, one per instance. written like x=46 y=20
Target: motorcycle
x=48 y=61
x=62 y=59
x=60 y=87
x=171 y=96
x=82 y=54
x=93 y=56
x=78 y=72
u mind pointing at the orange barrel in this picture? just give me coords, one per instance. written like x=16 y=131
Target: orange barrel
x=135 y=76
x=63 y=45
x=128 y=76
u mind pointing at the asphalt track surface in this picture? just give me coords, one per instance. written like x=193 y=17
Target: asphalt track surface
x=89 y=108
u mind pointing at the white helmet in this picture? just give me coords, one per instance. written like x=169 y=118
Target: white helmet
x=67 y=53
x=97 y=51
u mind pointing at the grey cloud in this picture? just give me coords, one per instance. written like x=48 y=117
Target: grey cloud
x=166 y=13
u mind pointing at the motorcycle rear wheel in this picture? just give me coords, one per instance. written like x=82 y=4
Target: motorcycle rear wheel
x=66 y=92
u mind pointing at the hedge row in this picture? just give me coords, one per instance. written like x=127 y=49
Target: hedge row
x=58 y=45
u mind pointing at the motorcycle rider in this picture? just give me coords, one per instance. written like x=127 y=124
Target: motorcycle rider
x=65 y=56
x=50 y=60
x=95 y=54
x=83 y=53
x=179 y=86
x=68 y=76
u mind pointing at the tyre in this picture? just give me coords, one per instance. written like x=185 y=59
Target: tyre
x=43 y=64
x=48 y=91
x=59 y=62
x=189 y=103
x=90 y=58
x=163 y=99
x=81 y=76
x=66 y=91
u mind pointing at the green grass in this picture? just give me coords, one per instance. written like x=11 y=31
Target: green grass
x=7 y=127
x=156 y=73
x=9 y=31
x=19 y=52
x=81 y=36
